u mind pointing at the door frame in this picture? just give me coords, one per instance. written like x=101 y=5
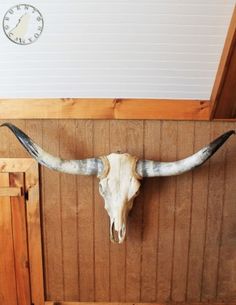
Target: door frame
x=30 y=169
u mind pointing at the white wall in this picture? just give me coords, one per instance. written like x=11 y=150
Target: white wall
x=118 y=48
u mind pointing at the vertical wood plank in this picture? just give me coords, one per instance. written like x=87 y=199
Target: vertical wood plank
x=104 y=272
x=19 y=222
x=15 y=148
x=198 y=218
x=118 y=251
x=34 y=235
x=52 y=218
x=214 y=220
x=20 y=242
x=151 y=189
x=85 y=210
x=8 y=292
x=37 y=235
x=67 y=147
x=166 y=214
x=182 y=214
x=226 y=291
x=134 y=138
x=101 y=225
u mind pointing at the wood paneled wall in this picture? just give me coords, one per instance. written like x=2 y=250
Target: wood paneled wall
x=181 y=239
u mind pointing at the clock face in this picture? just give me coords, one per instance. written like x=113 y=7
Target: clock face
x=23 y=24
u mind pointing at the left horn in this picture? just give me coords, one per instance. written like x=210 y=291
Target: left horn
x=149 y=168
x=91 y=166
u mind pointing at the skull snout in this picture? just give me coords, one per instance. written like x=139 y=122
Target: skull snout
x=117 y=234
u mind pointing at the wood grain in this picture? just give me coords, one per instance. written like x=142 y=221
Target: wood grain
x=213 y=221
x=34 y=234
x=85 y=210
x=8 y=290
x=19 y=230
x=10 y=191
x=166 y=214
x=163 y=109
x=134 y=138
x=226 y=286
x=184 y=230
x=67 y=149
x=151 y=206
x=222 y=100
x=101 y=225
x=52 y=219
x=183 y=207
x=120 y=303
x=198 y=217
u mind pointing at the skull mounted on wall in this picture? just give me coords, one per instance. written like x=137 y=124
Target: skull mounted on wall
x=119 y=174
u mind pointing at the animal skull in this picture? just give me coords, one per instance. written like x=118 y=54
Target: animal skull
x=119 y=174
x=119 y=185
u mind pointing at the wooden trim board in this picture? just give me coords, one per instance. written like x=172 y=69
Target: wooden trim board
x=10 y=191
x=9 y=165
x=123 y=303
x=160 y=109
x=222 y=101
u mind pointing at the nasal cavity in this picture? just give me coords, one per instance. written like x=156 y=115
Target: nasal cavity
x=117 y=236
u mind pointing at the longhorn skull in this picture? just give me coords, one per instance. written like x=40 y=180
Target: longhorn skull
x=119 y=174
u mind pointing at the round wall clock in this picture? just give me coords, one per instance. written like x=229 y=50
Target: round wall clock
x=23 y=24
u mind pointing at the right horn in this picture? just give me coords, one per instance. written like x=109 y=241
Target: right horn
x=149 y=168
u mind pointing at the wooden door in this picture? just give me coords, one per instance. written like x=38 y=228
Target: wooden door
x=21 y=279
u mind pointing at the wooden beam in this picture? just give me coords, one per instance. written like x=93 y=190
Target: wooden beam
x=104 y=109
x=123 y=303
x=223 y=96
x=10 y=191
x=9 y=165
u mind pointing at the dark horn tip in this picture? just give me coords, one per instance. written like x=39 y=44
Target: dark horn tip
x=23 y=139
x=14 y=129
x=218 y=142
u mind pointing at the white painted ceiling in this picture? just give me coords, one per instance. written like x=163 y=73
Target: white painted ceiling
x=118 y=49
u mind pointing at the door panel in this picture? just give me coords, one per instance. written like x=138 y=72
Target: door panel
x=21 y=271
x=20 y=240
x=7 y=265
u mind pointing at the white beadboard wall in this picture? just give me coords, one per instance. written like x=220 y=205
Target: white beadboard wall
x=118 y=49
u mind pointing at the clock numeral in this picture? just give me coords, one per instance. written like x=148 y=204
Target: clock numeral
x=40 y=28
x=39 y=18
x=18 y=7
x=6 y=27
x=26 y=7
x=30 y=39
x=36 y=35
x=6 y=18
x=11 y=11
x=22 y=41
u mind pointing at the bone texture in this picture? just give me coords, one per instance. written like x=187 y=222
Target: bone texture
x=119 y=174
x=118 y=188
x=150 y=168
x=91 y=166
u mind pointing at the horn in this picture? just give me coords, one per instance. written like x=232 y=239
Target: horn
x=149 y=168
x=92 y=166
